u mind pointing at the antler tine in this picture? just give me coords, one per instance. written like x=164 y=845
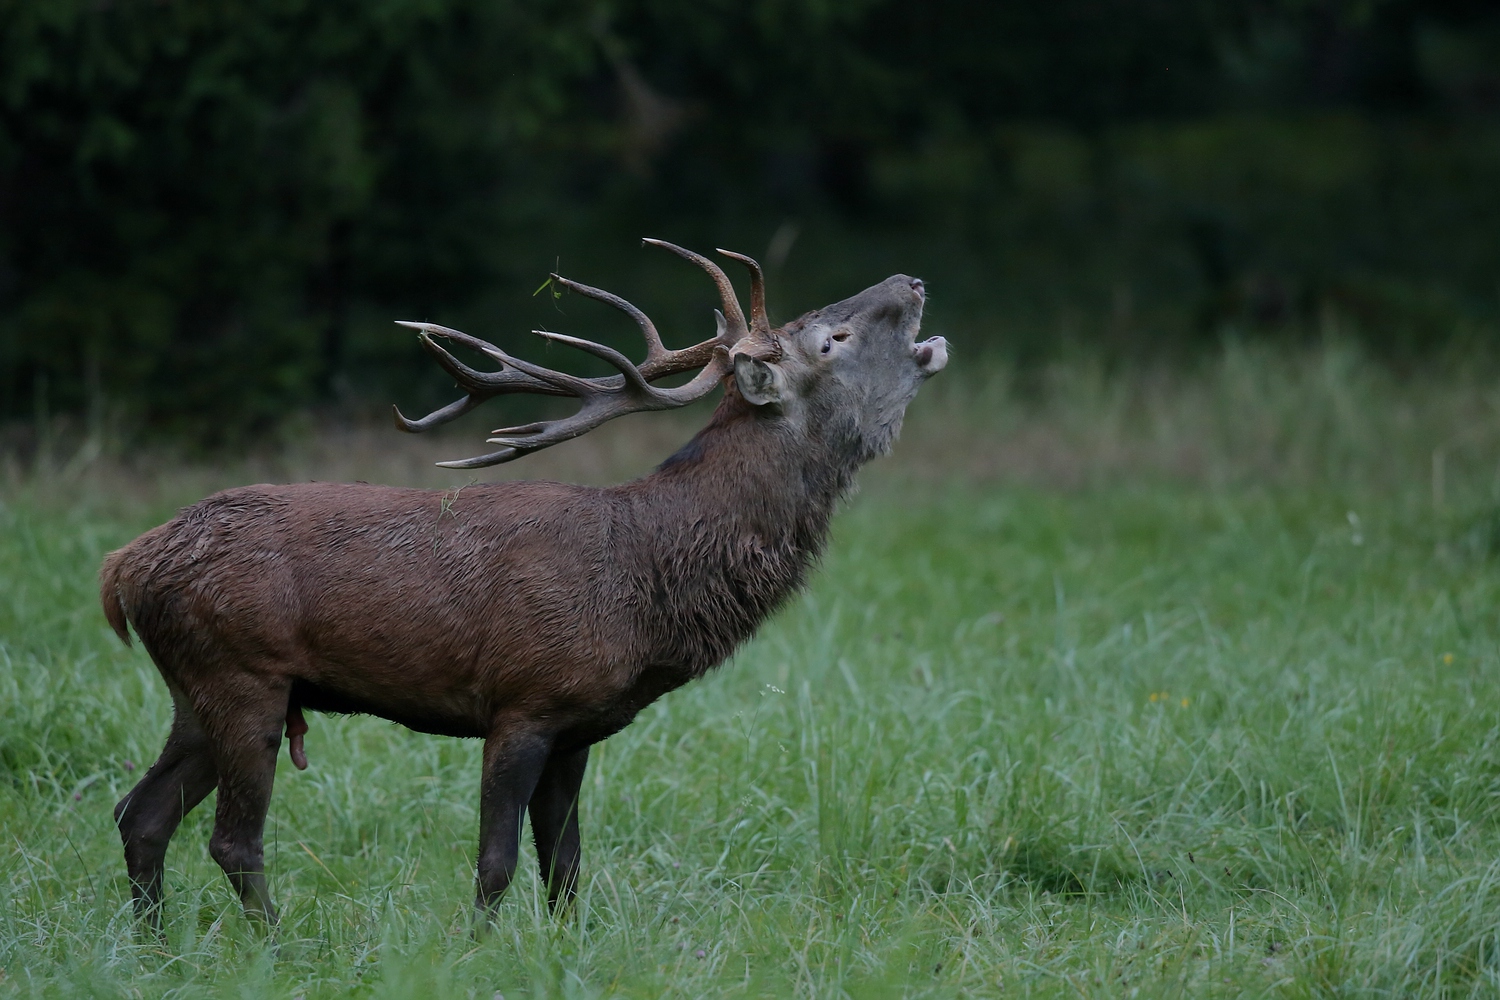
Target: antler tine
x=760 y=324
x=660 y=362
x=482 y=461
x=732 y=311
x=510 y=378
x=437 y=417
x=603 y=402
x=655 y=350
x=477 y=385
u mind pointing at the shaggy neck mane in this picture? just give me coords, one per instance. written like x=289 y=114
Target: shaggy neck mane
x=735 y=519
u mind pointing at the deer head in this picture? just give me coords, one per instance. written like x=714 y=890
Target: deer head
x=845 y=373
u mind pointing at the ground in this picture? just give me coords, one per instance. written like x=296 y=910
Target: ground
x=1136 y=685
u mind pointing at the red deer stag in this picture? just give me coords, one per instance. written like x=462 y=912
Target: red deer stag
x=537 y=616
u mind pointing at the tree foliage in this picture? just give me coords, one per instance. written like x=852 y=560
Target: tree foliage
x=202 y=202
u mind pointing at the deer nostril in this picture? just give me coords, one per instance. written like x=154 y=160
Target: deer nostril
x=924 y=355
x=918 y=287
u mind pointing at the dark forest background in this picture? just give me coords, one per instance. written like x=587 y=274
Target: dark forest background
x=212 y=210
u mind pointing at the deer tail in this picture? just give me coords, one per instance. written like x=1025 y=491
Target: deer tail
x=111 y=597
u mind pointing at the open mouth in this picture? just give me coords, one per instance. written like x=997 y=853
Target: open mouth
x=931 y=355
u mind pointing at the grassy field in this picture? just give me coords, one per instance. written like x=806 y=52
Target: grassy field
x=1145 y=683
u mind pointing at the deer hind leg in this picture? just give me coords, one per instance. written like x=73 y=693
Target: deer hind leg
x=513 y=761
x=554 y=824
x=150 y=812
x=245 y=723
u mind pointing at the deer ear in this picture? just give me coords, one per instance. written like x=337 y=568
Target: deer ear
x=758 y=382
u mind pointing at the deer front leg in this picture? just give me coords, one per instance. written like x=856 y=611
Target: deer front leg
x=554 y=824
x=513 y=762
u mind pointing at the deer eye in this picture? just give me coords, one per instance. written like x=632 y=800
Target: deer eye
x=841 y=336
x=827 y=346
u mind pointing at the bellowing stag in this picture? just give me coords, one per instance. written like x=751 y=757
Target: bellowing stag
x=539 y=617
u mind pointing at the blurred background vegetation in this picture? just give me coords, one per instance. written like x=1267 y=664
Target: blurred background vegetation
x=212 y=210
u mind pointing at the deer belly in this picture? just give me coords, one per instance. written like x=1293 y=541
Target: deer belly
x=416 y=710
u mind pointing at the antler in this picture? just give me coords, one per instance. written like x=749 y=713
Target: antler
x=760 y=325
x=603 y=398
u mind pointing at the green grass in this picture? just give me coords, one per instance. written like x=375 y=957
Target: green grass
x=1126 y=728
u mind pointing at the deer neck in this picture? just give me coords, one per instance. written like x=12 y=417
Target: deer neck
x=733 y=522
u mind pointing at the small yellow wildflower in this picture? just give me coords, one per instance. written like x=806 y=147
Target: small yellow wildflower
x=1447 y=659
x=1185 y=702
x=1153 y=697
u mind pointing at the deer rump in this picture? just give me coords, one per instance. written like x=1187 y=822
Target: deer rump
x=538 y=616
